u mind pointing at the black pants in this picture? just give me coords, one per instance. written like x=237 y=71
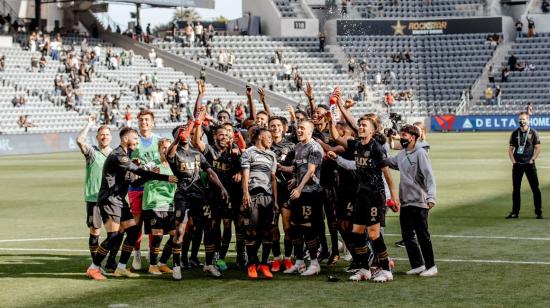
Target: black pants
x=517 y=175
x=415 y=220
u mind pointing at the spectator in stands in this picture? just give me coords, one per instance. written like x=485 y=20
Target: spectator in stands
x=199 y=30
x=24 y=122
x=2 y=63
x=131 y=56
x=56 y=47
x=529 y=109
x=159 y=63
x=42 y=64
x=512 y=61
x=505 y=74
x=223 y=57
x=351 y=65
x=174 y=114
x=239 y=112
x=489 y=94
x=19 y=101
x=498 y=93
x=530 y=27
x=287 y=68
x=378 y=78
x=298 y=81
x=322 y=39
x=360 y=92
x=34 y=64
x=59 y=85
x=528 y=66
x=519 y=28
x=396 y=58
x=272 y=81
x=545 y=6
x=407 y=57
x=491 y=74
x=278 y=58
x=389 y=100
x=229 y=107
x=345 y=8
x=152 y=56
x=106 y=112
x=230 y=61
x=209 y=49
x=189 y=35
x=211 y=33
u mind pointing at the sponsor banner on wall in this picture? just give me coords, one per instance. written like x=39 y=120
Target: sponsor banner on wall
x=419 y=27
x=481 y=123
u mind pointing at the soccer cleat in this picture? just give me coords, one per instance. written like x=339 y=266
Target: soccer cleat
x=95 y=274
x=195 y=263
x=136 y=263
x=154 y=270
x=288 y=263
x=296 y=268
x=222 y=266
x=383 y=276
x=252 y=273
x=512 y=216
x=352 y=268
x=176 y=273
x=400 y=243
x=276 y=265
x=264 y=269
x=163 y=268
x=361 y=275
x=333 y=260
x=212 y=270
x=539 y=216
x=432 y=271
x=124 y=272
x=313 y=269
x=416 y=271
x=111 y=265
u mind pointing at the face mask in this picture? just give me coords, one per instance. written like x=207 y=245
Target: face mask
x=522 y=123
x=404 y=143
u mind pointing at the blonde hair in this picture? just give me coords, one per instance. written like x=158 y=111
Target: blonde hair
x=423 y=132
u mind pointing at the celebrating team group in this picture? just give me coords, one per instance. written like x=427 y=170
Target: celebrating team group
x=263 y=176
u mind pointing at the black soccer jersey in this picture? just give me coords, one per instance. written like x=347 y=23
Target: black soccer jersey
x=117 y=177
x=284 y=151
x=224 y=163
x=186 y=166
x=369 y=160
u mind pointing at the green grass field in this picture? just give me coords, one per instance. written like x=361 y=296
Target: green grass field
x=508 y=265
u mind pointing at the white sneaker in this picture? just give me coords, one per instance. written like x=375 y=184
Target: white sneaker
x=296 y=268
x=313 y=269
x=383 y=276
x=176 y=273
x=361 y=275
x=212 y=270
x=432 y=271
x=416 y=271
x=136 y=263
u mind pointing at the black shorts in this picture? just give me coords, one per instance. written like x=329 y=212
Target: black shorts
x=93 y=215
x=186 y=207
x=230 y=209
x=308 y=209
x=369 y=208
x=117 y=213
x=344 y=205
x=164 y=220
x=260 y=213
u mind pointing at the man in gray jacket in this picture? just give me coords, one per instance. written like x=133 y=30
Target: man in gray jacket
x=417 y=197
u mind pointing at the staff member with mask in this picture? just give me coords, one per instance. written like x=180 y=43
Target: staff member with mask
x=524 y=150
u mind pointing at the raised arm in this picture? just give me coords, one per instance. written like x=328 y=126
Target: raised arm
x=261 y=94
x=201 y=90
x=310 y=98
x=341 y=141
x=251 y=106
x=348 y=117
x=81 y=139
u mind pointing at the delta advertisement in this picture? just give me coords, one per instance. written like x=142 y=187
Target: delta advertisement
x=480 y=123
x=419 y=27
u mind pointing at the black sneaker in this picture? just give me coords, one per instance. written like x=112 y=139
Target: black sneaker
x=512 y=216
x=539 y=216
x=195 y=263
x=400 y=243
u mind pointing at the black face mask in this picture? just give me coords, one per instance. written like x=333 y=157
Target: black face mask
x=404 y=143
x=522 y=123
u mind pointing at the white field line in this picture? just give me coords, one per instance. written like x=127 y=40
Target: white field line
x=233 y=254
x=479 y=237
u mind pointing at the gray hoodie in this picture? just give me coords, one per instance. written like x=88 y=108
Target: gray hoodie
x=417 y=183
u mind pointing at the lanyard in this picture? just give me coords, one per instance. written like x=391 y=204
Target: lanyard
x=526 y=137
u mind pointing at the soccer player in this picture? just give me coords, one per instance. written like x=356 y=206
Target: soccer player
x=283 y=149
x=260 y=118
x=158 y=213
x=523 y=152
x=115 y=211
x=145 y=155
x=417 y=193
x=190 y=200
x=259 y=185
x=226 y=164
x=369 y=205
x=95 y=158
x=306 y=199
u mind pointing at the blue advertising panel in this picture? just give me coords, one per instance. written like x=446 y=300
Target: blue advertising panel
x=486 y=123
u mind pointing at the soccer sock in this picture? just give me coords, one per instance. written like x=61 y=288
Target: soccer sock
x=115 y=247
x=287 y=242
x=103 y=249
x=266 y=250
x=93 y=244
x=176 y=254
x=226 y=240
x=128 y=245
x=240 y=246
x=380 y=249
x=166 y=251
x=333 y=230
x=276 y=246
x=154 y=250
x=209 y=246
x=186 y=244
x=359 y=245
x=321 y=236
x=312 y=244
x=251 y=252
x=196 y=240
x=298 y=248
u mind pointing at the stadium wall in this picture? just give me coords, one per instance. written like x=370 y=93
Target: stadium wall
x=52 y=142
